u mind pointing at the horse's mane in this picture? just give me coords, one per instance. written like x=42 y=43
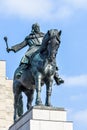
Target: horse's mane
x=49 y=35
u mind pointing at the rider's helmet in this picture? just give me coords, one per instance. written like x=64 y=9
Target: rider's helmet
x=36 y=28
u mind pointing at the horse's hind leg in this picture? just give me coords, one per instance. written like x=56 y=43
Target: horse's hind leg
x=29 y=94
x=17 y=92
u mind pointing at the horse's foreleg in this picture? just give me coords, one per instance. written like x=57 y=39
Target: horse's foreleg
x=38 y=89
x=48 y=92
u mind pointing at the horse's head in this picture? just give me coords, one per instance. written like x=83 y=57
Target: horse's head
x=50 y=44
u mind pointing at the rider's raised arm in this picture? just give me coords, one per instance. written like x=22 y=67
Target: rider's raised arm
x=16 y=47
x=19 y=46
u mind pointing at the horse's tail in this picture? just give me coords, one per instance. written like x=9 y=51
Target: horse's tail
x=20 y=105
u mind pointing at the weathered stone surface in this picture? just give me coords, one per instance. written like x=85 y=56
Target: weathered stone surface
x=2 y=68
x=43 y=118
x=6 y=99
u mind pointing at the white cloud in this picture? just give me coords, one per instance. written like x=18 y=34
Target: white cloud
x=25 y=8
x=81 y=116
x=80 y=80
x=37 y=8
x=78 y=4
x=42 y=9
x=79 y=97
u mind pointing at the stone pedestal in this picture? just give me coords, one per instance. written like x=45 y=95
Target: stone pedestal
x=43 y=118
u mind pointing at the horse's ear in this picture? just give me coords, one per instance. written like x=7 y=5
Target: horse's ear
x=48 y=32
x=60 y=32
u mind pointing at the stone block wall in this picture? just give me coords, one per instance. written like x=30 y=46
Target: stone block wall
x=6 y=99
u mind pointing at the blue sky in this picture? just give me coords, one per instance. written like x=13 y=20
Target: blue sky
x=16 y=18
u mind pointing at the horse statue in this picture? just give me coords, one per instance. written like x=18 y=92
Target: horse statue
x=40 y=72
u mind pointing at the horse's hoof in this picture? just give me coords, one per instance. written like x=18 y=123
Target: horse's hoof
x=15 y=120
x=39 y=102
x=48 y=104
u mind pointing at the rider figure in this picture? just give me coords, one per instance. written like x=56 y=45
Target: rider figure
x=34 y=41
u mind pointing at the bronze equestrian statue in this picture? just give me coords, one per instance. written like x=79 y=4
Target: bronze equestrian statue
x=40 y=70
x=34 y=41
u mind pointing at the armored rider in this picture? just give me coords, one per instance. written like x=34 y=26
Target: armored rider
x=34 y=41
